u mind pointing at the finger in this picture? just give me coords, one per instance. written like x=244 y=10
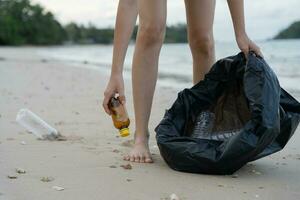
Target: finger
x=258 y=52
x=245 y=51
x=256 y=49
x=105 y=103
x=122 y=98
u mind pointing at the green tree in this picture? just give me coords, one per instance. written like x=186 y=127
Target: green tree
x=23 y=23
x=292 y=32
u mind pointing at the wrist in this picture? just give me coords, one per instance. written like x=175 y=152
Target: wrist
x=116 y=75
x=240 y=33
x=116 y=71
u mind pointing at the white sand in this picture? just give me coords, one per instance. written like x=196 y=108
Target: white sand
x=70 y=98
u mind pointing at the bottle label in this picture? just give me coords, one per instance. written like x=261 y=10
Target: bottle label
x=120 y=113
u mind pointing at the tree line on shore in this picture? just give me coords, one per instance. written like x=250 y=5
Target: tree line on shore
x=22 y=22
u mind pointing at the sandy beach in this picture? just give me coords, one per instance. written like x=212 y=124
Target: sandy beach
x=88 y=164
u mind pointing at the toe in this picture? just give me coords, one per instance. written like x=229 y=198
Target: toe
x=126 y=157
x=131 y=159
x=142 y=159
x=148 y=160
x=136 y=158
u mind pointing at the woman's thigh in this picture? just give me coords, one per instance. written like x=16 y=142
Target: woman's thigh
x=152 y=13
x=200 y=17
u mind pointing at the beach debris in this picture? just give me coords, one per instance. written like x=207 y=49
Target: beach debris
x=44 y=60
x=234 y=176
x=58 y=188
x=260 y=187
x=23 y=142
x=155 y=146
x=47 y=179
x=37 y=126
x=12 y=176
x=256 y=172
x=174 y=197
x=128 y=180
x=127 y=166
x=113 y=166
x=220 y=185
x=116 y=151
x=47 y=88
x=20 y=171
x=256 y=196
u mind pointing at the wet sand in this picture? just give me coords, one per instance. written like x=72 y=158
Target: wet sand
x=89 y=164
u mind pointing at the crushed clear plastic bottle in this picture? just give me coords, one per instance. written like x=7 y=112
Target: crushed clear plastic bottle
x=203 y=128
x=36 y=125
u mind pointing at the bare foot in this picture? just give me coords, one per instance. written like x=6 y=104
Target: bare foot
x=140 y=152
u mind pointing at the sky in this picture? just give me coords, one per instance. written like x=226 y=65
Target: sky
x=264 y=18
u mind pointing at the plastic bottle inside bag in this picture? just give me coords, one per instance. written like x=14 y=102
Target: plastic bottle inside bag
x=36 y=125
x=203 y=128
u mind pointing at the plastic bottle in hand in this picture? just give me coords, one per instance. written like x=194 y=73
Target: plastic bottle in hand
x=119 y=116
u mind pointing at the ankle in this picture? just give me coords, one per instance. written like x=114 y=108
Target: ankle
x=141 y=137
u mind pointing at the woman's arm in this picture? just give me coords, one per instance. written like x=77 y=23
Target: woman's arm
x=125 y=22
x=236 y=8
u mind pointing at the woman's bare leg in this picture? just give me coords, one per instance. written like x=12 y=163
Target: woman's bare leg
x=200 y=17
x=151 y=31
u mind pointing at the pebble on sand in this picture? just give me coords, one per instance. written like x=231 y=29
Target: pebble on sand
x=20 y=171
x=113 y=166
x=174 y=197
x=116 y=151
x=12 y=176
x=256 y=172
x=58 y=188
x=234 y=176
x=128 y=166
x=47 y=179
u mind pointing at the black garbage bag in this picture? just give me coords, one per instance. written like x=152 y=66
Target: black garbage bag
x=237 y=114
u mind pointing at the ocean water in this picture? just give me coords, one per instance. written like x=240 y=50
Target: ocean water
x=175 y=64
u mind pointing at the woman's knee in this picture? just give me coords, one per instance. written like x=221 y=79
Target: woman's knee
x=152 y=34
x=202 y=43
